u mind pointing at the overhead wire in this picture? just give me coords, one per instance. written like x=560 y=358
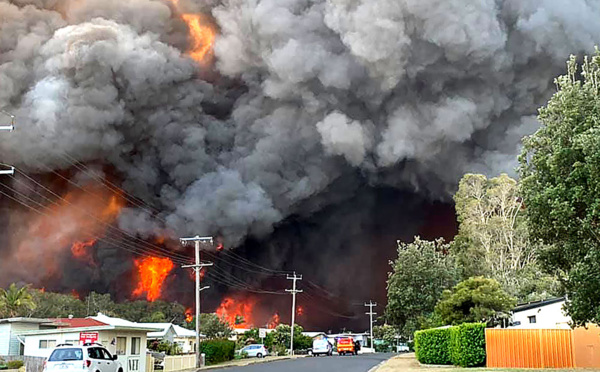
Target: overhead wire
x=161 y=251
x=109 y=226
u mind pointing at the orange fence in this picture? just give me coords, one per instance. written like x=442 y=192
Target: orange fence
x=543 y=348
x=529 y=348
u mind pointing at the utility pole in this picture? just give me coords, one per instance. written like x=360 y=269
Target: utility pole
x=293 y=291
x=10 y=128
x=197 y=267
x=370 y=305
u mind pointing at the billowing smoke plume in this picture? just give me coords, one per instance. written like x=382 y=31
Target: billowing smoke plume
x=298 y=95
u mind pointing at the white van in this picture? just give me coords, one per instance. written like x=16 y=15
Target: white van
x=322 y=347
x=86 y=358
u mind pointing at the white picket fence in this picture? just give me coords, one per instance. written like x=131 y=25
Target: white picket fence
x=173 y=363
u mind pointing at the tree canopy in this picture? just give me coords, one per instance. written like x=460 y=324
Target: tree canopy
x=15 y=301
x=476 y=299
x=560 y=182
x=493 y=237
x=419 y=275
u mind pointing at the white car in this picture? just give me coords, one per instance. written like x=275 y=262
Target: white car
x=86 y=358
x=321 y=347
x=255 y=350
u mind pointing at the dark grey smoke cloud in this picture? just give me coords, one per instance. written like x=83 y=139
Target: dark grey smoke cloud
x=409 y=94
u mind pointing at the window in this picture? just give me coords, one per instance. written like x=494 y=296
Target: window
x=47 y=344
x=121 y=345
x=532 y=319
x=63 y=355
x=106 y=354
x=135 y=346
x=95 y=353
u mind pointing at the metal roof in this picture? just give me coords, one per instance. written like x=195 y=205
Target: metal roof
x=536 y=304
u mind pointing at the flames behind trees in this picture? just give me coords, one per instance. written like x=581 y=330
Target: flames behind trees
x=242 y=311
x=152 y=273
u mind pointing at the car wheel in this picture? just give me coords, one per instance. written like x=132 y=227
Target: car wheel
x=259 y=355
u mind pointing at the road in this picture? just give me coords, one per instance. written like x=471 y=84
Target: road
x=359 y=363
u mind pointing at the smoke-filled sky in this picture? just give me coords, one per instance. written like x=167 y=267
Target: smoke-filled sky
x=300 y=106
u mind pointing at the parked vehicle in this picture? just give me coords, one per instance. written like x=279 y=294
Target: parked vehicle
x=86 y=358
x=402 y=348
x=346 y=346
x=322 y=347
x=255 y=350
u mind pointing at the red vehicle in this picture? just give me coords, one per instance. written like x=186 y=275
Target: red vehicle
x=346 y=346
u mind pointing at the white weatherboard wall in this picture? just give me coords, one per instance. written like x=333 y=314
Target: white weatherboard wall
x=548 y=316
x=4 y=338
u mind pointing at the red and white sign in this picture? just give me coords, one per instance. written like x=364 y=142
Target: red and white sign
x=88 y=337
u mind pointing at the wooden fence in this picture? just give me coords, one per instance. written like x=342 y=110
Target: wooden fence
x=543 y=348
x=32 y=364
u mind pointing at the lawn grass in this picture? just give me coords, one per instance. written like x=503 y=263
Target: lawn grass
x=408 y=363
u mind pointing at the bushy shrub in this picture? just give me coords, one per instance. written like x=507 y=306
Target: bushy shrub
x=217 y=351
x=467 y=345
x=432 y=346
x=14 y=364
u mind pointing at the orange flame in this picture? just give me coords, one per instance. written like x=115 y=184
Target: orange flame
x=81 y=252
x=202 y=35
x=152 y=273
x=42 y=243
x=274 y=322
x=188 y=316
x=75 y=294
x=300 y=311
x=238 y=313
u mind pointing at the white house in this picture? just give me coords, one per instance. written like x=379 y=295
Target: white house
x=123 y=338
x=541 y=314
x=9 y=328
x=185 y=338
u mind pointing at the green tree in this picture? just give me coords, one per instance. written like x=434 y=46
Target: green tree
x=474 y=300
x=282 y=337
x=212 y=326
x=420 y=274
x=560 y=183
x=15 y=301
x=57 y=305
x=155 y=317
x=493 y=237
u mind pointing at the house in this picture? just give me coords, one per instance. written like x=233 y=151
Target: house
x=185 y=338
x=9 y=328
x=315 y=335
x=541 y=314
x=121 y=337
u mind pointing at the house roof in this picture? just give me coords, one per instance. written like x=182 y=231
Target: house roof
x=184 y=332
x=536 y=304
x=314 y=334
x=25 y=320
x=77 y=322
x=164 y=329
x=125 y=324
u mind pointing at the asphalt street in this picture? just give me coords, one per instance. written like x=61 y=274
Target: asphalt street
x=358 y=363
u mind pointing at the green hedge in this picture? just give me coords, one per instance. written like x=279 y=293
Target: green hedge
x=463 y=345
x=432 y=346
x=467 y=343
x=217 y=351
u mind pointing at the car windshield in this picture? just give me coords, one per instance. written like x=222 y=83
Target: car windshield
x=64 y=355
